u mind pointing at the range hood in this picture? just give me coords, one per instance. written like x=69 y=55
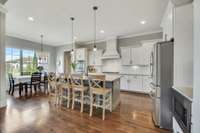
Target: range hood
x=111 y=49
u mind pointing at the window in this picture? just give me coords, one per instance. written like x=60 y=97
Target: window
x=29 y=61
x=13 y=61
x=23 y=62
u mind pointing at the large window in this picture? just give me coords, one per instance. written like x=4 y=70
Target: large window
x=23 y=62
x=13 y=61
x=29 y=60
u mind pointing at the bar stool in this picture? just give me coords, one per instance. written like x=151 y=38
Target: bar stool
x=100 y=96
x=53 y=90
x=65 y=89
x=78 y=90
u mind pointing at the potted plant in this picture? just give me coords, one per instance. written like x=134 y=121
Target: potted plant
x=73 y=65
x=40 y=68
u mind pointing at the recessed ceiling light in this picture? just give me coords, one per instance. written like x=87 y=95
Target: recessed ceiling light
x=31 y=19
x=143 y=22
x=102 y=31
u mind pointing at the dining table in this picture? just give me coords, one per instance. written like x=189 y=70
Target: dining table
x=22 y=80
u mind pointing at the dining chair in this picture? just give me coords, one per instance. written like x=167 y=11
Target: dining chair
x=78 y=90
x=35 y=81
x=65 y=89
x=100 y=96
x=12 y=83
x=44 y=82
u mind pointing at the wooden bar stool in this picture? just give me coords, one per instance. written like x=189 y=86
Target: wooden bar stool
x=78 y=90
x=99 y=95
x=53 y=90
x=65 y=90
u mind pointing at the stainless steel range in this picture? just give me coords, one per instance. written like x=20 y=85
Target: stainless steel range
x=162 y=75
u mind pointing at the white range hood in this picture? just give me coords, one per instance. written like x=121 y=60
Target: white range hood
x=111 y=49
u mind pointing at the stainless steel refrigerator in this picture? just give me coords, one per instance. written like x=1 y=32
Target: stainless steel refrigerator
x=162 y=82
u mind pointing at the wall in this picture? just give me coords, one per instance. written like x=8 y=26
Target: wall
x=168 y=22
x=183 y=48
x=60 y=57
x=2 y=57
x=24 y=44
x=133 y=41
x=196 y=91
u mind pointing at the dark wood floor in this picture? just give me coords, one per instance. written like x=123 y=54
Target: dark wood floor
x=35 y=115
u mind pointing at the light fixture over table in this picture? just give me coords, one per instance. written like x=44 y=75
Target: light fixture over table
x=42 y=55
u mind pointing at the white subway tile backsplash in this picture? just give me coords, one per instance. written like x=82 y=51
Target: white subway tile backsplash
x=140 y=70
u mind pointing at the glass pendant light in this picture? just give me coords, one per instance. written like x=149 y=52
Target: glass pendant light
x=72 y=33
x=95 y=8
x=42 y=55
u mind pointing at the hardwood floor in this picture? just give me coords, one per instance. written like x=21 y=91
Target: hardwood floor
x=35 y=115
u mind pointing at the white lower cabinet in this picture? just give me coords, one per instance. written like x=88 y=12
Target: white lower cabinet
x=135 y=83
x=124 y=83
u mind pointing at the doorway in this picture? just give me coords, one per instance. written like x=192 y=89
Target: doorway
x=67 y=62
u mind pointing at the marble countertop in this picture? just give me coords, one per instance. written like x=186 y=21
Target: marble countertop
x=185 y=91
x=108 y=77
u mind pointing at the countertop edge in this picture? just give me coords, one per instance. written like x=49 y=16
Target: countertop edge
x=183 y=94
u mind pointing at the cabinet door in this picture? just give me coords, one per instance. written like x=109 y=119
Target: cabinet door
x=91 y=58
x=135 y=83
x=97 y=56
x=147 y=54
x=126 y=56
x=136 y=55
x=124 y=83
x=80 y=54
x=141 y=55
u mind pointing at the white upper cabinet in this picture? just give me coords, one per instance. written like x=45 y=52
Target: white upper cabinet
x=95 y=58
x=126 y=56
x=81 y=54
x=136 y=56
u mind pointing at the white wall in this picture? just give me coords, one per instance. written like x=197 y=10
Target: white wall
x=60 y=57
x=183 y=47
x=167 y=21
x=196 y=91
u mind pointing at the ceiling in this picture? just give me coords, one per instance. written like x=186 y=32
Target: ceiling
x=52 y=18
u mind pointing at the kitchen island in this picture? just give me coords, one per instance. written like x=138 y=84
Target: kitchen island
x=111 y=82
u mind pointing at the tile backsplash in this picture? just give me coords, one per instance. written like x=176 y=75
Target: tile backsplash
x=135 y=70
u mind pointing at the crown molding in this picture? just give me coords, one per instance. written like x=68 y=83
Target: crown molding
x=139 y=34
x=3 y=9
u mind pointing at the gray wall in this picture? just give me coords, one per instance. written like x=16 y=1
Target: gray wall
x=124 y=42
x=28 y=45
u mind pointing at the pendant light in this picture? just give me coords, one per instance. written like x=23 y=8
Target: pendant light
x=95 y=8
x=72 y=33
x=42 y=54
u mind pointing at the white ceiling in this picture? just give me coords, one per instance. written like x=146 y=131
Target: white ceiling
x=52 y=18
